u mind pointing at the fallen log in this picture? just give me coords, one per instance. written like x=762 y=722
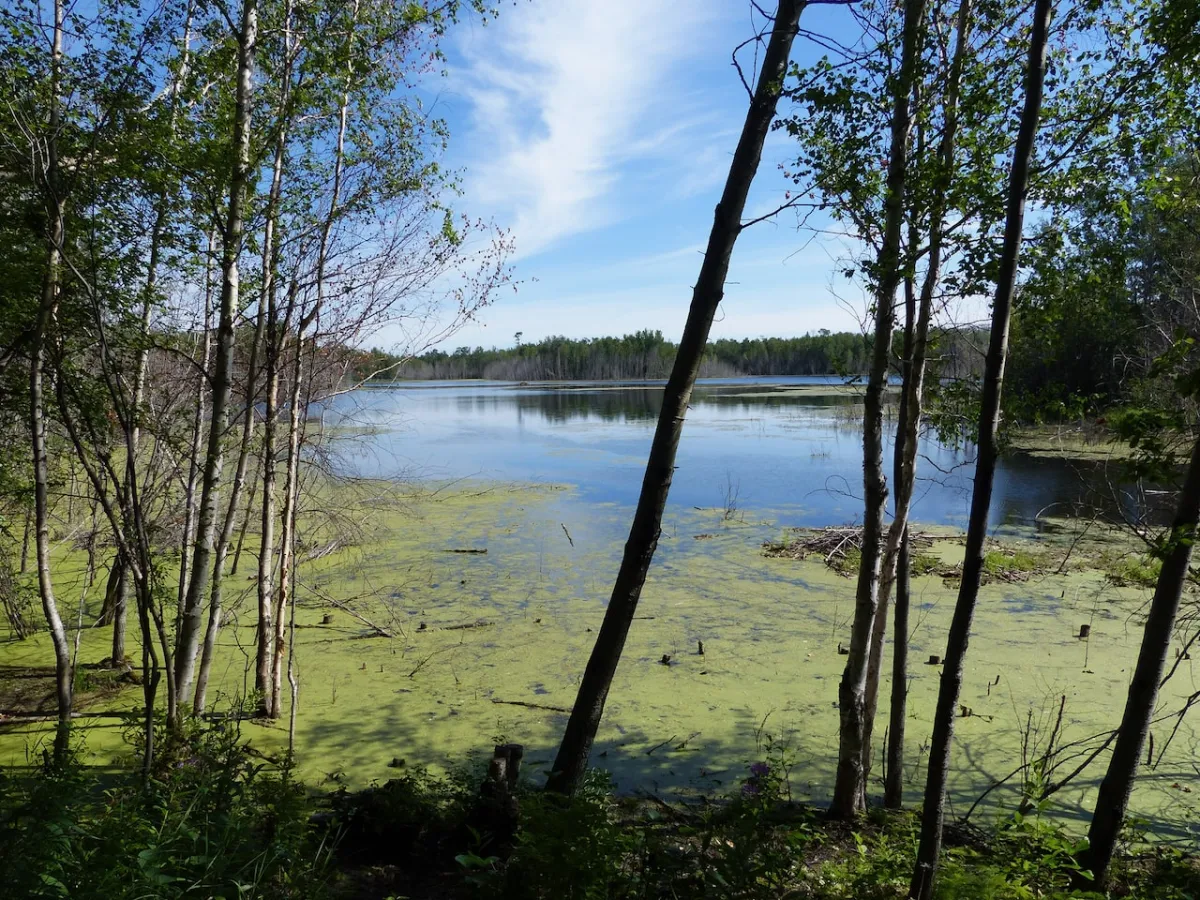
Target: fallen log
x=527 y=705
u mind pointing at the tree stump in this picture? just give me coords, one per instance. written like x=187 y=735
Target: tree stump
x=327 y=619
x=497 y=813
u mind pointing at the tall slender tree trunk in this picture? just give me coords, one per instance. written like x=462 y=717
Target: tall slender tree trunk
x=27 y=533
x=276 y=339
x=934 y=811
x=224 y=542
x=576 y=745
x=55 y=212
x=893 y=792
x=893 y=784
x=1113 y=800
x=202 y=385
x=287 y=542
x=120 y=611
x=919 y=318
x=266 y=547
x=189 y=627
x=241 y=541
x=110 y=593
x=63 y=674
x=850 y=787
x=120 y=618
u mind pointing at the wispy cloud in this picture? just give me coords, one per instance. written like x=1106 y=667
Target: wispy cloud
x=565 y=95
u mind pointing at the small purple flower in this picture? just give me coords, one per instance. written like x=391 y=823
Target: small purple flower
x=760 y=769
x=750 y=789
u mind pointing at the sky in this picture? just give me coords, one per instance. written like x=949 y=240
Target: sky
x=600 y=134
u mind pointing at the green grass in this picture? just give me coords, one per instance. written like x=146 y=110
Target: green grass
x=1132 y=569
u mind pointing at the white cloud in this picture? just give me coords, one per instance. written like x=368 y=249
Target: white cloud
x=564 y=94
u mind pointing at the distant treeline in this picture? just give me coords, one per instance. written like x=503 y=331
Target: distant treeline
x=643 y=355
x=648 y=355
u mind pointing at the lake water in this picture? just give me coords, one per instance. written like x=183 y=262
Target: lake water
x=489 y=645
x=789 y=445
x=542 y=567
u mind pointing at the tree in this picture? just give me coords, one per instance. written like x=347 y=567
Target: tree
x=918 y=320
x=571 y=761
x=1112 y=801
x=1166 y=280
x=240 y=185
x=55 y=212
x=933 y=813
x=850 y=787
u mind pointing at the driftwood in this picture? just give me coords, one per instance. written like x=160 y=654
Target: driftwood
x=833 y=543
x=378 y=629
x=423 y=627
x=481 y=623
x=315 y=553
x=530 y=705
x=17 y=715
x=466 y=550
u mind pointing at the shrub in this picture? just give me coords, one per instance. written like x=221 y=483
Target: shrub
x=210 y=822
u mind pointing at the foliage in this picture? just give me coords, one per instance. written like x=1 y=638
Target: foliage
x=209 y=822
x=569 y=847
x=1131 y=569
x=406 y=815
x=214 y=822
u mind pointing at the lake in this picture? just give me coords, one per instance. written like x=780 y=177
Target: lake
x=489 y=572
x=789 y=445
x=549 y=474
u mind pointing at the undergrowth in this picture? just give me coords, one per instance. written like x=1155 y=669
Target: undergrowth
x=209 y=822
x=214 y=821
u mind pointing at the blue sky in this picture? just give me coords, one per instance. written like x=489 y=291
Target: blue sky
x=600 y=134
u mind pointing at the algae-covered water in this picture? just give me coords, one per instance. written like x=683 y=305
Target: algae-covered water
x=491 y=644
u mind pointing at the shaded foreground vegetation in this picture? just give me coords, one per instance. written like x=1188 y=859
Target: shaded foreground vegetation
x=217 y=819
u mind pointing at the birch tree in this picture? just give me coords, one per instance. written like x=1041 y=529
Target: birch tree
x=985 y=464
x=240 y=184
x=850 y=788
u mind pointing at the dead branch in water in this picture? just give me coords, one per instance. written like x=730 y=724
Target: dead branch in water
x=834 y=544
x=378 y=629
x=481 y=623
x=559 y=709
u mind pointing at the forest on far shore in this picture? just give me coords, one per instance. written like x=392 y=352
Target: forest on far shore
x=644 y=354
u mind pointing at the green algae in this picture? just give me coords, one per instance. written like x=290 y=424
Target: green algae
x=489 y=645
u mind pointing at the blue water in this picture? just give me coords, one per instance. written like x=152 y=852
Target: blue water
x=790 y=452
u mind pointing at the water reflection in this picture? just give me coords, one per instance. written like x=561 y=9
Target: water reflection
x=787 y=445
